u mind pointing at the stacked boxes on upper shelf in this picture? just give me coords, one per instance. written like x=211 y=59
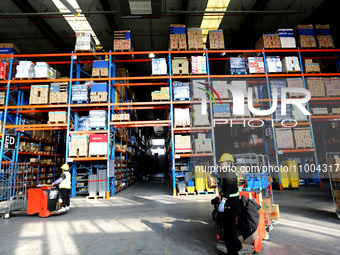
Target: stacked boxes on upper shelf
x=180 y=66
x=98 y=119
x=163 y=94
x=100 y=68
x=324 y=36
x=181 y=90
x=216 y=40
x=159 y=66
x=8 y=48
x=198 y=65
x=80 y=93
x=59 y=93
x=332 y=85
x=121 y=117
x=202 y=144
x=79 y=146
x=182 y=117
x=122 y=41
x=98 y=145
x=177 y=37
x=295 y=83
x=25 y=69
x=39 y=94
x=305 y=36
x=268 y=41
x=43 y=70
x=291 y=64
x=182 y=143
x=195 y=39
x=316 y=86
x=274 y=64
x=99 y=92
x=236 y=65
x=85 y=42
x=255 y=65
x=311 y=67
x=287 y=38
x=4 y=68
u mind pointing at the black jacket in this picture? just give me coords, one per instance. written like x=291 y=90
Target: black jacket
x=248 y=217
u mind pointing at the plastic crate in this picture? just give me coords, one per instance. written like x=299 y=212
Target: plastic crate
x=191 y=184
x=253 y=180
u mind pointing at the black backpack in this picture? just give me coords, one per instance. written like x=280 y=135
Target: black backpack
x=248 y=217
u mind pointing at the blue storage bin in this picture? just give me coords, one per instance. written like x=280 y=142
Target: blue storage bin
x=99 y=87
x=253 y=180
x=191 y=183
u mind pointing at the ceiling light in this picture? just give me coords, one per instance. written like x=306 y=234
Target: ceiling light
x=151 y=55
x=212 y=21
x=78 y=23
x=222 y=54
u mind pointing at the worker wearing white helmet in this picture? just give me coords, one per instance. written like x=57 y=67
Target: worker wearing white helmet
x=65 y=187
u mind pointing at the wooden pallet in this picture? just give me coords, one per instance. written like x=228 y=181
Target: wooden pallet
x=182 y=152
x=180 y=74
x=57 y=103
x=80 y=102
x=187 y=193
x=326 y=47
x=159 y=74
x=178 y=49
x=194 y=48
x=98 y=155
x=312 y=71
x=98 y=101
x=98 y=128
x=56 y=122
x=95 y=197
x=198 y=73
x=116 y=50
x=238 y=73
x=293 y=71
x=23 y=78
x=79 y=156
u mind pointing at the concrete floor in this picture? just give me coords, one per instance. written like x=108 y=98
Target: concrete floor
x=145 y=219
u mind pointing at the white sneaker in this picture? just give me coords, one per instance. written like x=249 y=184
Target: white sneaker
x=245 y=250
x=221 y=247
x=67 y=208
x=62 y=210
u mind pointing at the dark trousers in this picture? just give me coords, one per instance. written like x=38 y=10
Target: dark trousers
x=232 y=242
x=65 y=196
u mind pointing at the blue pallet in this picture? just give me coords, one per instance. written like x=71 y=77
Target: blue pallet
x=98 y=128
x=182 y=99
x=80 y=102
x=238 y=72
x=205 y=192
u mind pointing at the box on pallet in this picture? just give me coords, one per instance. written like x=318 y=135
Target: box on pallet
x=98 y=144
x=181 y=90
x=216 y=40
x=43 y=70
x=287 y=38
x=221 y=88
x=100 y=68
x=198 y=65
x=180 y=66
x=256 y=65
x=177 y=37
x=291 y=64
x=159 y=66
x=268 y=41
x=195 y=38
x=284 y=138
x=79 y=146
x=80 y=93
x=85 y=42
x=324 y=36
x=332 y=85
x=236 y=65
x=274 y=64
x=25 y=69
x=57 y=117
x=39 y=94
x=316 y=86
x=199 y=118
x=98 y=119
x=305 y=36
x=295 y=83
x=221 y=111
x=311 y=67
x=182 y=117
x=203 y=144
x=122 y=41
x=4 y=68
x=182 y=143
x=8 y=48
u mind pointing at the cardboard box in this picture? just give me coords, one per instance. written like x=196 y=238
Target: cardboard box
x=284 y=138
x=39 y=94
x=316 y=86
x=275 y=212
x=268 y=41
x=303 y=138
x=267 y=204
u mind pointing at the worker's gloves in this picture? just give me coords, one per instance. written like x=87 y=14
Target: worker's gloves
x=221 y=207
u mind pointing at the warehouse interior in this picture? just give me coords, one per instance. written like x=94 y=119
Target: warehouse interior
x=138 y=99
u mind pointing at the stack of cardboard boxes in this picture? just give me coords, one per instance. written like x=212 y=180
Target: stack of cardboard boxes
x=316 y=86
x=295 y=83
x=182 y=117
x=80 y=93
x=180 y=66
x=324 y=36
x=181 y=90
x=336 y=111
x=25 y=69
x=202 y=144
x=305 y=36
x=254 y=139
x=98 y=119
x=271 y=211
x=100 y=68
x=121 y=117
x=85 y=42
x=332 y=85
x=4 y=68
x=59 y=93
x=274 y=64
x=256 y=65
x=43 y=70
x=182 y=144
x=177 y=37
x=159 y=66
x=79 y=146
x=221 y=88
x=198 y=65
x=319 y=110
x=268 y=41
x=284 y=138
x=39 y=94
x=195 y=39
x=98 y=93
x=8 y=48
x=303 y=138
x=291 y=64
x=216 y=40
x=236 y=66
x=162 y=94
x=57 y=117
x=311 y=67
x=287 y=38
x=2 y=98
x=98 y=145
x=122 y=41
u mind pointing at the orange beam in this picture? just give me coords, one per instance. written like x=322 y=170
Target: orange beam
x=142 y=84
x=38 y=154
x=89 y=132
x=325 y=116
x=292 y=124
x=89 y=158
x=297 y=150
x=191 y=155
